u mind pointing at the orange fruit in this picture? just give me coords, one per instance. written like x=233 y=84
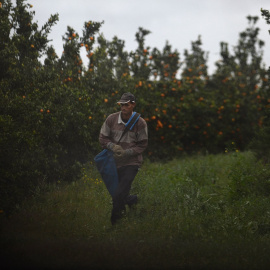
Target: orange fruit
x=159 y=124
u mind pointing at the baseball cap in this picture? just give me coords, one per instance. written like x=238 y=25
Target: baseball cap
x=127 y=97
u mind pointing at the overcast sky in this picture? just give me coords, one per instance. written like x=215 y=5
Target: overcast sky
x=177 y=21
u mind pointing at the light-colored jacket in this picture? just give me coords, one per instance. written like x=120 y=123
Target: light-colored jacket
x=136 y=139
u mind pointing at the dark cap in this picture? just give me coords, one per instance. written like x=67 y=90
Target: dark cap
x=126 y=97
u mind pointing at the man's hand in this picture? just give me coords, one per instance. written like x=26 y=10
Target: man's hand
x=123 y=153
x=113 y=147
x=118 y=151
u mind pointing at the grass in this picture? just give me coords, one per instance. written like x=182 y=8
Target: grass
x=200 y=212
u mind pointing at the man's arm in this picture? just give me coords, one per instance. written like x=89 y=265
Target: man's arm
x=142 y=139
x=104 y=136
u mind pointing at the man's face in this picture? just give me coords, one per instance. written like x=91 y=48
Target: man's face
x=127 y=109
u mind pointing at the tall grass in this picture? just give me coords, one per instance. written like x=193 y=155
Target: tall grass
x=196 y=212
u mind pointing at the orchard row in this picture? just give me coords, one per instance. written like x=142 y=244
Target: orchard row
x=51 y=111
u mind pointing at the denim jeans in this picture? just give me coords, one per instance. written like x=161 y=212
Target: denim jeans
x=121 y=197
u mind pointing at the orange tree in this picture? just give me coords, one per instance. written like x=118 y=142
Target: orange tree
x=103 y=79
x=240 y=84
x=196 y=100
x=174 y=107
x=261 y=142
x=154 y=78
x=47 y=111
x=21 y=44
x=266 y=15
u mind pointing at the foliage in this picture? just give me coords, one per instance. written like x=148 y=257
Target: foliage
x=51 y=112
x=260 y=143
x=22 y=151
x=266 y=15
x=244 y=91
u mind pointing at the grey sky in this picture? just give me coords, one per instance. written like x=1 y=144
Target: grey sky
x=178 y=22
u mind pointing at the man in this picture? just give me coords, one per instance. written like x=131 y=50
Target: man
x=127 y=153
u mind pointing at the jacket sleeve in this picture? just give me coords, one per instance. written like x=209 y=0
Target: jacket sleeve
x=142 y=138
x=104 y=135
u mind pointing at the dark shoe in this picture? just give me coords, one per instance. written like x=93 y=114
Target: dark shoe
x=131 y=200
x=116 y=215
x=115 y=218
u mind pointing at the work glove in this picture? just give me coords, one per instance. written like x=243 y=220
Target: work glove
x=123 y=153
x=114 y=147
x=111 y=146
x=119 y=152
x=117 y=149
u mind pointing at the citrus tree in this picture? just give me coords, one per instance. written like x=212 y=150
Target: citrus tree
x=260 y=144
x=240 y=83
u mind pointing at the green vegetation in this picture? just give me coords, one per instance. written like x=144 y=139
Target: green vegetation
x=196 y=212
x=51 y=111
